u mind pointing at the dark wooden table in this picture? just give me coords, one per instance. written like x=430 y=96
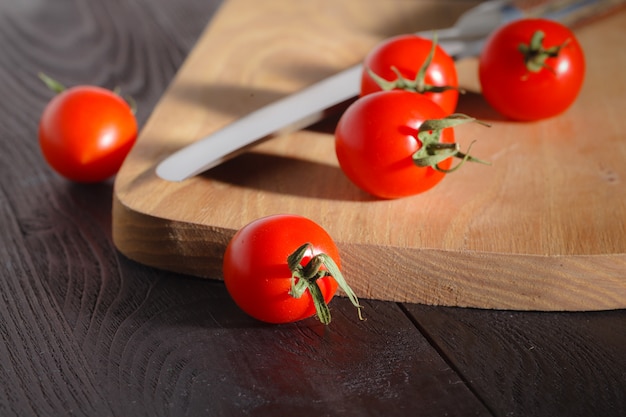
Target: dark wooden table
x=87 y=332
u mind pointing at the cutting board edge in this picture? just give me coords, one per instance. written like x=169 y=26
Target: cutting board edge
x=437 y=277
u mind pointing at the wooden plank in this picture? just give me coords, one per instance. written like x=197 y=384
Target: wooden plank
x=87 y=332
x=38 y=353
x=191 y=351
x=540 y=364
x=543 y=228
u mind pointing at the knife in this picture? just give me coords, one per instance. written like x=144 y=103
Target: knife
x=313 y=103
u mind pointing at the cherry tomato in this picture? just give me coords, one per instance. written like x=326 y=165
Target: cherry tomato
x=407 y=54
x=396 y=143
x=86 y=132
x=261 y=259
x=531 y=69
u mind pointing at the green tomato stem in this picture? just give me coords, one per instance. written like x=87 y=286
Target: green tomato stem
x=51 y=83
x=433 y=152
x=304 y=277
x=416 y=85
x=57 y=88
x=536 y=55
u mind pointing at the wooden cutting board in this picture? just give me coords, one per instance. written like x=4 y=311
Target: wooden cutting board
x=543 y=228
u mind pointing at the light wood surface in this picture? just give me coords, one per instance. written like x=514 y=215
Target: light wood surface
x=87 y=332
x=543 y=228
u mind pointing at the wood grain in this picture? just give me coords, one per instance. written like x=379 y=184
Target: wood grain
x=86 y=332
x=537 y=361
x=544 y=228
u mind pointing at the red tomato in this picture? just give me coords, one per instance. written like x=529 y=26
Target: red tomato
x=407 y=53
x=86 y=132
x=545 y=87
x=376 y=138
x=257 y=274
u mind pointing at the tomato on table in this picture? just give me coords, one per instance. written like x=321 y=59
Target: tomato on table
x=414 y=63
x=531 y=69
x=284 y=268
x=86 y=132
x=397 y=143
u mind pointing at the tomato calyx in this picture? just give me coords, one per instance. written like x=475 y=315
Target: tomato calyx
x=432 y=152
x=536 y=55
x=304 y=277
x=57 y=88
x=416 y=85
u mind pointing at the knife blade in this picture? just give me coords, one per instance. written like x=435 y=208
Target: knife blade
x=313 y=103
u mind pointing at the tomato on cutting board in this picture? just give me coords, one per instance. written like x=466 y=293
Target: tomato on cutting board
x=397 y=143
x=412 y=63
x=284 y=268
x=531 y=69
x=86 y=132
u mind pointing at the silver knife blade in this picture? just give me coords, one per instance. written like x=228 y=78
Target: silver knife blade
x=293 y=112
x=311 y=104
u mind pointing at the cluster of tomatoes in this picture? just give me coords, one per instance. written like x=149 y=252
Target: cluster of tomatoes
x=388 y=142
x=395 y=140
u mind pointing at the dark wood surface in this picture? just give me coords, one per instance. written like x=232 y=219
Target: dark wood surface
x=87 y=332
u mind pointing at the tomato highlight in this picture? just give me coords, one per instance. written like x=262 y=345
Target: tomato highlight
x=412 y=63
x=396 y=143
x=274 y=277
x=531 y=69
x=86 y=132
